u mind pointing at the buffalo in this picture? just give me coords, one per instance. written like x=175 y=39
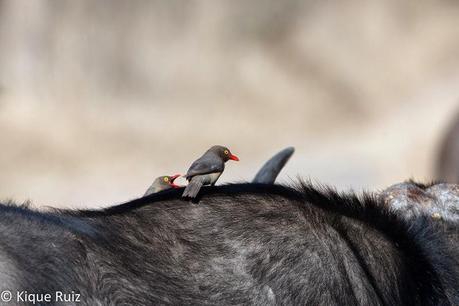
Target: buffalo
x=247 y=243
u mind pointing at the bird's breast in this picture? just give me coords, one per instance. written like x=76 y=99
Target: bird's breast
x=211 y=178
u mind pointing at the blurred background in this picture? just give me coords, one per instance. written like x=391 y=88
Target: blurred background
x=97 y=98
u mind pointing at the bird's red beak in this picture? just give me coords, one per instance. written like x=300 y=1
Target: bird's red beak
x=234 y=157
x=172 y=181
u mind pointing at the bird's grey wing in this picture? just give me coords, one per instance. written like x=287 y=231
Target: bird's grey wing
x=205 y=166
x=270 y=170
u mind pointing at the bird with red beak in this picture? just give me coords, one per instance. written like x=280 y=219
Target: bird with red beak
x=207 y=169
x=162 y=183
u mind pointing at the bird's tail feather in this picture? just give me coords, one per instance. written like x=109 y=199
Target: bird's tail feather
x=193 y=187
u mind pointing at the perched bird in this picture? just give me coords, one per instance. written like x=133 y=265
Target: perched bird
x=207 y=169
x=162 y=183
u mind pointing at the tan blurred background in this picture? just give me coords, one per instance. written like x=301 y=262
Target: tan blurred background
x=99 y=97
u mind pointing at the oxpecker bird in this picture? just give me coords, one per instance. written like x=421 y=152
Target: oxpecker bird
x=162 y=183
x=207 y=169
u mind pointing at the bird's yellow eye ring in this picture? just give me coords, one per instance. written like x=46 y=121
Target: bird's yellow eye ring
x=166 y=179
x=226 y=152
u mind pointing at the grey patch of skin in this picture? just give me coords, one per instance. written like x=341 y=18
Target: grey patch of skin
x=177 y=250
x=448 y=200
x=271 y=297
x=8 y=274
x=267 y=259
x=439 y=202
x=271 y=169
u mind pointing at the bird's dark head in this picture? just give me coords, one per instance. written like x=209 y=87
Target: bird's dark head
x=167 y=181
x=224 y=153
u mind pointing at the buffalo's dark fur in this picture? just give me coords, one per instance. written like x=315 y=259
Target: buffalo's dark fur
x=242 y=244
